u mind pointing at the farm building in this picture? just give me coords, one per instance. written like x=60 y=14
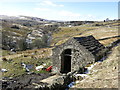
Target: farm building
x=76 y=53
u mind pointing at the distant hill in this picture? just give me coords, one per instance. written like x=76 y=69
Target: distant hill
x=29 y=29
x=21 y=32
x=21 y=17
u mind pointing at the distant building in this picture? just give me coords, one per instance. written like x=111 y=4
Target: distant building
x=107 y=19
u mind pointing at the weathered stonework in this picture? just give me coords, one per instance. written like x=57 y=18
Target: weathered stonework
x=76 y=53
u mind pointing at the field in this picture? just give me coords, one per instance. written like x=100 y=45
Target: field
x=105 y=29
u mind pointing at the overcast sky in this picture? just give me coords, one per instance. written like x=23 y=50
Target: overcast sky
x=69 y=10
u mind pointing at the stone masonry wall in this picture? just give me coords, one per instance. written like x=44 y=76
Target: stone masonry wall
x=80 y=56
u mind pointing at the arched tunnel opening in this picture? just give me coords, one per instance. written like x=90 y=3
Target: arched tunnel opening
x=66 y=61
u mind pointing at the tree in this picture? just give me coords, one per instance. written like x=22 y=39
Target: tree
x=37 y=43
x=7 y=40
x=40 y=42
x=22 y=44
x=45 y=40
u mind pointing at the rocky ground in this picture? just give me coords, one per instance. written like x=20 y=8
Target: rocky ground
x=103 y=74
x=24 y=81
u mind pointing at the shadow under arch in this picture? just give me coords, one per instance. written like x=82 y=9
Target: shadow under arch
x=66 y=61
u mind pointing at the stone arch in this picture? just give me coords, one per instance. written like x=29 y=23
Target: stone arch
x=66 y=57
x=80 y=57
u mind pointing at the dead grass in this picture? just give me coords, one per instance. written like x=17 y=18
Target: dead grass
x=66 y=32
x=5 y=52
x=32 y=57
x=15 y=68
x=108 y=41
x=98 y=32
x=104 y=74
x=102 y=32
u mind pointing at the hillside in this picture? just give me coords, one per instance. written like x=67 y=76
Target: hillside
x=23 y=32
x=103 y=74
x=98 y=29
x=105 y=32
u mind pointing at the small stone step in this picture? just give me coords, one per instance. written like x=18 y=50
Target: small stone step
x=49 y=80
